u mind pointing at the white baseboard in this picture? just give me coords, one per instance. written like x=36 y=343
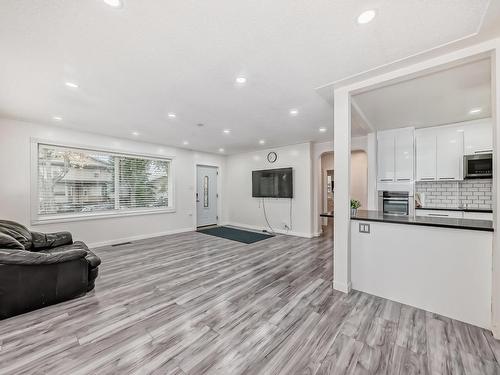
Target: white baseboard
x=138 y=237
x=342 y=287
x=279 y=231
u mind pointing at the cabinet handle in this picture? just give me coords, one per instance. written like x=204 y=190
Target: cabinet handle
x=427 y=178
x=442 y=215
x=404 y=179
x=386 y=179
x=446 y=178
x=482 y=151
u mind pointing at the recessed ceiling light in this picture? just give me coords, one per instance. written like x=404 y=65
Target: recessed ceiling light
x=172 y=115
x=72 y=85
x=262 y=142
x=135 y=133
x=114 y=3
x=322 y=130
x=185 y=143
x=227 y=131
x=57 y=118
x=294 y=112
x=241 y=80
x=221 y=149
x=366 y=16
x=474 y=111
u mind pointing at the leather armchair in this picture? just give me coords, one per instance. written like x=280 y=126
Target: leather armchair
x=38 y=269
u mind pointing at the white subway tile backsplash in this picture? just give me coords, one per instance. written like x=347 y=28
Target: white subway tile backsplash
x=452 y=194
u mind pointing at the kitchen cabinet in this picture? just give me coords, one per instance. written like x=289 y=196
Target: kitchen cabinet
x=478 y=137
x=395 y=151
x=386 y=157
x=478 y=215
x=439 y=213
x=439 y=153
x=449 y=153
x=404 y=155
x=425 y=143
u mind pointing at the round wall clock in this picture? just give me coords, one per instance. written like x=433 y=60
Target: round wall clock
x=272 y=157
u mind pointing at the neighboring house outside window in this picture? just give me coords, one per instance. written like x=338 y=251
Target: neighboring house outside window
x=73 y=182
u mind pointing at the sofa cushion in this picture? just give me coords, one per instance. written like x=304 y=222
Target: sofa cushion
x=18 y=232
x=48 y=240
x=8 y=242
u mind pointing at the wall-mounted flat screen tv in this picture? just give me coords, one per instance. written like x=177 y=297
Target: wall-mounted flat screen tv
x=272 y=183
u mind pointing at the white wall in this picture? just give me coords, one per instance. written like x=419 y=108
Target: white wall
x=359 y=177
x=15 y=142
x=445 y=271
x=243 y=210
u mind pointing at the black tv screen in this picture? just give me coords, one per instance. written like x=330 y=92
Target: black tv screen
x=272 y=183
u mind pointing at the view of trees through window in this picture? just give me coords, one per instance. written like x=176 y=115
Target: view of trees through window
x=78 y=181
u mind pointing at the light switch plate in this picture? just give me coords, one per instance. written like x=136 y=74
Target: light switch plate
x=364 y=228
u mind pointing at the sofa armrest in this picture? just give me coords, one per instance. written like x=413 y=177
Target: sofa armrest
x=23 y=257
x=50 y=240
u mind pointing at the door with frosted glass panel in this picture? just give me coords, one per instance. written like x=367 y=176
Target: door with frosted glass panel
x=206 y=195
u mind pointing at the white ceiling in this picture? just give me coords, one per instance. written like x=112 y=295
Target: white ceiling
x=137 y=63
x=443 y=97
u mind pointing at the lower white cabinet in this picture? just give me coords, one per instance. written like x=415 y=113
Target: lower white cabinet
x=478 y=215
x=455 y=214
x=440 y=213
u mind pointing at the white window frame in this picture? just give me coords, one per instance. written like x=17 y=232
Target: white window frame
x=61 y=218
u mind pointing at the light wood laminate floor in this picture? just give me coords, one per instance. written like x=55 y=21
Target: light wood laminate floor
x=196 y=304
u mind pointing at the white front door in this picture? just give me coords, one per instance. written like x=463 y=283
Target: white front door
x=206 y=195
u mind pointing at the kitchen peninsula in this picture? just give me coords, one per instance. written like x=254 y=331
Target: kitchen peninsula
x=427 y=262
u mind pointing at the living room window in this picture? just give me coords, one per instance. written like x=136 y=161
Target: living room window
x=76 y=183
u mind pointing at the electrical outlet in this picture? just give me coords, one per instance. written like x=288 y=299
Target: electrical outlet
x=364 y=228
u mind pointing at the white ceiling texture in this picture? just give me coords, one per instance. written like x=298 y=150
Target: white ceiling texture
x=137 y=63
x=457 y=94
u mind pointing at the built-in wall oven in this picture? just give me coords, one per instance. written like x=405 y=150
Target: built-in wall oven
x=478 y=166
x=398 y=203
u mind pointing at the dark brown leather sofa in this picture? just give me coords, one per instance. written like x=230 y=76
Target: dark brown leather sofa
x=38 y=269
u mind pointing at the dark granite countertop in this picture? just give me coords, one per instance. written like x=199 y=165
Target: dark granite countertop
x=456 y=209
x=443 y=222
x=327 y=214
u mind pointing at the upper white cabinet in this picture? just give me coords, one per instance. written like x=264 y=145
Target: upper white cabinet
x=425 y=142
x=404 y=154
x=439 y=153
x=385 y=160
x=395 y=155
x=478 y=137
x=449 y=153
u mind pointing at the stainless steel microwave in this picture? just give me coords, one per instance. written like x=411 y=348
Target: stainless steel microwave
x=478 y=166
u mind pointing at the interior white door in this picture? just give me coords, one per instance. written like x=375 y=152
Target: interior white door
x=206 y=195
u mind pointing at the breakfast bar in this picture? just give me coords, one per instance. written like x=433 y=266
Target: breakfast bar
x=426 y=262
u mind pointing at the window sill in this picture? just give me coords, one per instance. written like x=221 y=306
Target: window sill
x=99 y=215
